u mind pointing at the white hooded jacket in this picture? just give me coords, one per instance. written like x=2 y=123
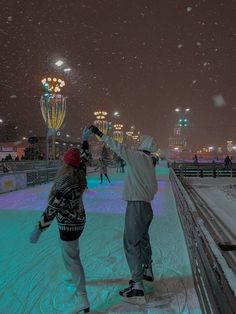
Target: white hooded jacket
x=140 y=181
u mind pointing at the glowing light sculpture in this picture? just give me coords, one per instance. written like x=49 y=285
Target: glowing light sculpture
x=101 y=123
x=118 y=134
x=53 y=110
x=53 y=107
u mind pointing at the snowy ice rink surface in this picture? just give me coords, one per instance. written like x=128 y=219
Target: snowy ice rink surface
x=220 y=195
x=32 y=278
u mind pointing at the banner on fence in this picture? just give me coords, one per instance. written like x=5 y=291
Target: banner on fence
x=7 y=183
x=12 y=182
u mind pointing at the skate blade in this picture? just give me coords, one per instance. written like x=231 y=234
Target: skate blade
x=135 y=300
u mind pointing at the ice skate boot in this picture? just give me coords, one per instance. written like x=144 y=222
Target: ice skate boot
x=134 y=293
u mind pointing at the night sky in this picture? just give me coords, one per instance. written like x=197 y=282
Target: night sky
x=142 y=58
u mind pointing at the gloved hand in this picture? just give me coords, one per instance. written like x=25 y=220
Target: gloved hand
x=35 y=235
x=95 y=130
x=86 y=134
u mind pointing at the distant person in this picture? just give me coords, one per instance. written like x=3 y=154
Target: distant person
x=227 y=162
x=5 y=167
x=9 y=157
x=118 y=160
x=139 y=190
x=103 y=170
x=195 y=159
x=122 y=165
x=66 y=204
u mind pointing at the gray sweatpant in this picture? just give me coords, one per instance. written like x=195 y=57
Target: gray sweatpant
x=72 y=262
x=137 y=246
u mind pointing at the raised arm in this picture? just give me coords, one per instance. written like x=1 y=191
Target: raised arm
x=118 y=148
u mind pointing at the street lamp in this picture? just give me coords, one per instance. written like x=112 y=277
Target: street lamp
x=67 y=70
x=180 y=109
x=59 y=63
x=116 y=114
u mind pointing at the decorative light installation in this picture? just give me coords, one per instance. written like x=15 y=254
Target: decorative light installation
x=53 y=111
x=53 y=108
x=131 y=131
x=118 y=133
x=53 y=85
x=135 y=137
x=101 y=121
x=229 y=146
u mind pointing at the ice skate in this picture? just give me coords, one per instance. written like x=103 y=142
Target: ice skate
x=134 y=293
x=148 y=273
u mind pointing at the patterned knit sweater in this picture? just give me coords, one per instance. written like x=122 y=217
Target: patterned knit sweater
x=66 y=205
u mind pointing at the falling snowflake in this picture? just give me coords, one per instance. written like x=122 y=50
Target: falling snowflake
x=218 y=101
x=189 y=9
x=194 y=81
x=9 y=18
x=198 y=44
x=13 y=96
x=180 y=46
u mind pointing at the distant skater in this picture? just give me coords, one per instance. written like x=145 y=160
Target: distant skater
x=227 y=162
x=103 y=170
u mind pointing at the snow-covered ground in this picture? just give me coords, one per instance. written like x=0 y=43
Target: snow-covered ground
x=32 y=277
x=220 y=195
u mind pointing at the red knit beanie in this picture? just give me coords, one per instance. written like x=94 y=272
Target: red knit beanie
x=72 y=157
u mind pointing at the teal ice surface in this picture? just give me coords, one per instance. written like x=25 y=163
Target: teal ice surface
x=31 y=276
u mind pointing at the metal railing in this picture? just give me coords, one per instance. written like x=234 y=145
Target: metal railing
x=203 y=169
x=212 y=283
x=14 y=166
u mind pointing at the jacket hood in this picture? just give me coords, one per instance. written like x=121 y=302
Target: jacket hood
x=147 y=143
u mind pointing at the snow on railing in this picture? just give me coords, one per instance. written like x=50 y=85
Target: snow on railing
x=214 y=282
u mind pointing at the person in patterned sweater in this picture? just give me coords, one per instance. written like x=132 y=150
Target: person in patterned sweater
x=66 y=205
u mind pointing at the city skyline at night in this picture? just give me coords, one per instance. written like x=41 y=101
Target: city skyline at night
x=142 y=59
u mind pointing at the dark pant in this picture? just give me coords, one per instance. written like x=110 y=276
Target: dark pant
x=101 y=177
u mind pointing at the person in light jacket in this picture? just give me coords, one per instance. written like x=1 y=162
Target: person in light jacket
x=139 y=190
